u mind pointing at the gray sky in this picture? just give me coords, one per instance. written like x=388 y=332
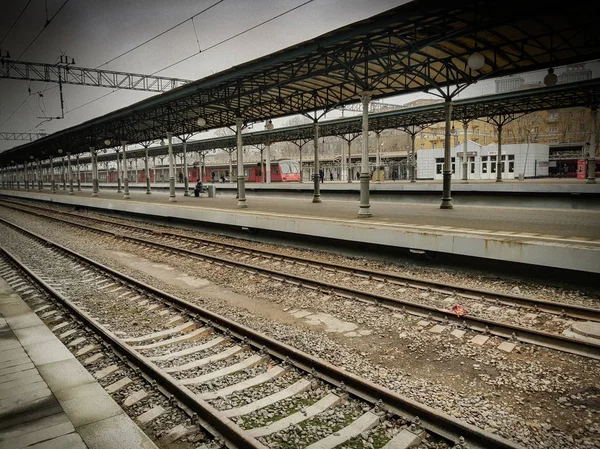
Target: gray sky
x=94 y=32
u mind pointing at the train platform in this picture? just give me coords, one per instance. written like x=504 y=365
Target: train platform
x=47 y=398
x=538 y=236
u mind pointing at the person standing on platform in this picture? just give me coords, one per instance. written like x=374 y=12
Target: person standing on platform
x=321 y=175
x=331 y=176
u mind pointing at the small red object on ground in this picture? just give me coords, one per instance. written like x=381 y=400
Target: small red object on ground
x=459 y=310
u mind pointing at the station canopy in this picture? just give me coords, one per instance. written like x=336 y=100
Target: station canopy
x=423 y=45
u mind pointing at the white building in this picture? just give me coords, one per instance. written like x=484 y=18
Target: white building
x=530 y=160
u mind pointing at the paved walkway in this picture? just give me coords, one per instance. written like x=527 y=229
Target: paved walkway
x=47 y=398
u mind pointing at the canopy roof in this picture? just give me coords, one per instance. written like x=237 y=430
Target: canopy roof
x=421 y=45
x=580 y=94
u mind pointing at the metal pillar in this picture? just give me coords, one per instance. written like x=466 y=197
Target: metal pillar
x=591 y=174
x=316 y=177
x=268 y=163
x=52 y=181
x=413 y=162
x=172 y=197
x=349 y=173
x=447 y=173
x=465 y=162
x=25 y=176
x=147 y=171
x=70 y=173
x=364 y=208
x=94 y=153
x=241 y=178
x=125 y=173
x=185 y=171
x=118 y=172
x=378 y=158
x=499 y=160
x=78 y=173
x=39 y=175
x=62 y=172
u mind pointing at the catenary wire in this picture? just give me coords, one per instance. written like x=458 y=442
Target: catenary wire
x=44 y=28
x=208 y=48
x=15 y=22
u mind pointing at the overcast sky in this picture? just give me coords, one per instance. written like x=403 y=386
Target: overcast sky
x=94 y=33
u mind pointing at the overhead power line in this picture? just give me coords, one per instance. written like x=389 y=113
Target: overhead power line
x=43 y=29
x=15 y=22
x=163 y=32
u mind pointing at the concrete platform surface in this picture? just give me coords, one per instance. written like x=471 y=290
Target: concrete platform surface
x=47 y=399
x=538 y=236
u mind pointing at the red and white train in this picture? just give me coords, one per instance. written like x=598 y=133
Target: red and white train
x=281 y=171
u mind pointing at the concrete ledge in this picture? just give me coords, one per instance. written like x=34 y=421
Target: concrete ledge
x=555 y=252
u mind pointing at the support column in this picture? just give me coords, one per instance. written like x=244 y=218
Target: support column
x=447 y=172
x=39 y=175
x=64 y=177
x=186 y=175
x=465 y=162
x=241 y=179
x=499 y=160
x=377 y=158
x=25 y=176
x=316 y=177
x=591 y=174
x=78 y=173
x=52 y=181
x=364 y=209
x=349 y=171
x=172 y=197
x=413 y=161
x=125 y=173
x=268 y=163
x=94 y=153
x=70 y=173
x=118 y=172
x=147 y=171
x=343 y=167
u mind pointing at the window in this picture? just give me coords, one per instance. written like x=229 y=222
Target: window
x=511 y=163
x=453 y=165
x=433 y=145
x=484 y=164
x=552 y=129
x=553 y=116
x=439 y=165
x=492 y=164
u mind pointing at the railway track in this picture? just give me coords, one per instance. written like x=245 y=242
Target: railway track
x=244 y=387
x=540 y=321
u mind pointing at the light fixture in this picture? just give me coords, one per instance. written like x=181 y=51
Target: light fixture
x=550 y=79
x=476 y=60
x=60 y=151
x=269 y=126
x=201 y=122
x=107 y=142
